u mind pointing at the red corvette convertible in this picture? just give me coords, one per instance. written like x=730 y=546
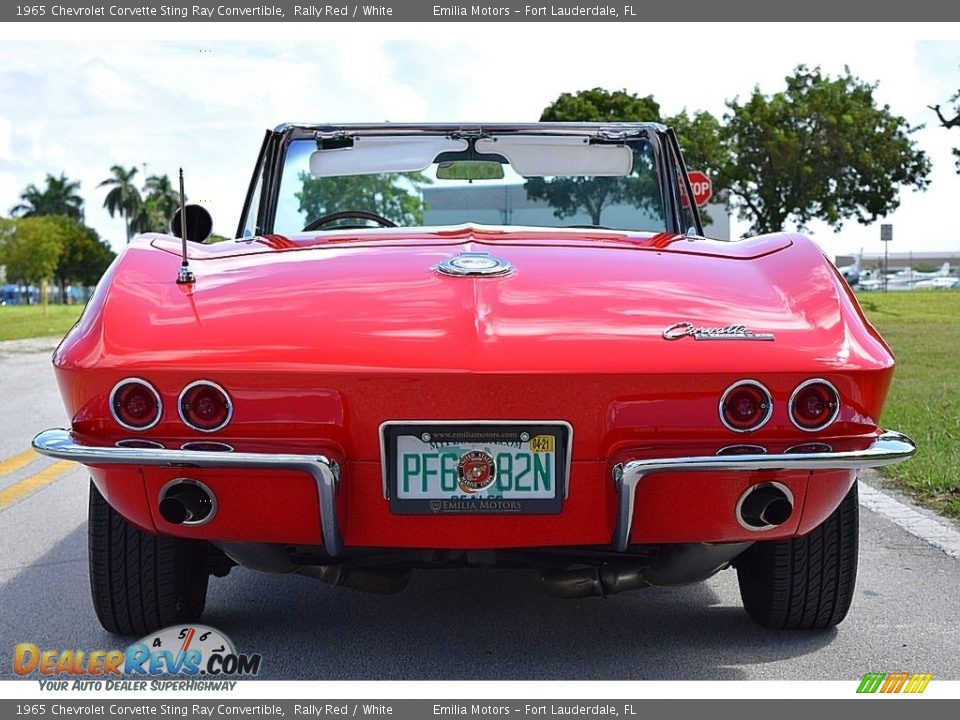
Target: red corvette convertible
x=475 y=345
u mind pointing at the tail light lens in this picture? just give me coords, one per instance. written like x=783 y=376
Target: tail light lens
x=746 y=406
x=814 y=405
x=205 y=406
x=135 y=404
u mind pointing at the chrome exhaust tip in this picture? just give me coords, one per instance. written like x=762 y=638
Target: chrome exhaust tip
x=187 y=502
x=765 y=506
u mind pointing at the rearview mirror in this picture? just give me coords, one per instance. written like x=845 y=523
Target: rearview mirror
x=470 y=170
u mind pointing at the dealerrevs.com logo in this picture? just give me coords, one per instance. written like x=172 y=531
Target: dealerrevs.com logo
x=197 y=656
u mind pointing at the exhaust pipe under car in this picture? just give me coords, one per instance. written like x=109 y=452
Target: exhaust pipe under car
x=765 y=506
x=672 y=566
x=267 y=558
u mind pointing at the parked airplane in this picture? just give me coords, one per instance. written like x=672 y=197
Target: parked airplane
x=908 y=278
x=851 y=273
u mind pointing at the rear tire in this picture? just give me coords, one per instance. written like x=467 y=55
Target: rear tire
x=141 y=582
x=807 y=582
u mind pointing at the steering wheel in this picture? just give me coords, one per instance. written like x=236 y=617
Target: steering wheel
x=356 y=214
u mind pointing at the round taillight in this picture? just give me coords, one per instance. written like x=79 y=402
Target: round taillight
x=135 y=405
x=205 y=406
x=746 y=406
x=814 y=405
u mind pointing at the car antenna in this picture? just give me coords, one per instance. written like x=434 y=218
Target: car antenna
x=186 y=276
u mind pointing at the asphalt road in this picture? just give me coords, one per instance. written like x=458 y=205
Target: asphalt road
x=457 y=624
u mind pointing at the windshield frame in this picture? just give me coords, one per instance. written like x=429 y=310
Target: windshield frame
x=268 y=174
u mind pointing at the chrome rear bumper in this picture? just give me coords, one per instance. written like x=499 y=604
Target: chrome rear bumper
x=888 y=448
x=62 y=444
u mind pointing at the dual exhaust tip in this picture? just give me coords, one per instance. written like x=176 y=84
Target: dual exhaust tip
x=765 y=506
x=187 y=502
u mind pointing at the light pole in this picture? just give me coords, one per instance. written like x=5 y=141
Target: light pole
x=886 y=235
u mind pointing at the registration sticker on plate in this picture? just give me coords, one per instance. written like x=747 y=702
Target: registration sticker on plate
x=484 y=468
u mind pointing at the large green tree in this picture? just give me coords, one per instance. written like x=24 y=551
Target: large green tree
x=30 y=249
x=821 y=149
x=124 y=197
x=568 y=196
x=953 y=122
x=59 y=197
x=84 y=256
x=395 y=196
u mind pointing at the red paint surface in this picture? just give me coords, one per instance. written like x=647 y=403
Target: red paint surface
x=319 y=339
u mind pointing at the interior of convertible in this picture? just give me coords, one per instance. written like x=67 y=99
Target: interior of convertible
x=440 y=180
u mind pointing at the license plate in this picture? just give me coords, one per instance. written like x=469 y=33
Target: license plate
x=476 y=468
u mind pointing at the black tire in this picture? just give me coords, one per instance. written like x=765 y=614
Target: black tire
x=804 y=583
x=141 y=582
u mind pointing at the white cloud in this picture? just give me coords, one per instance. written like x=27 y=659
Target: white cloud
x=203 y=102
x=6 y=134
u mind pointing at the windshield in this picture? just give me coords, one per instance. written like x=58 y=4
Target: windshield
x=435 y=180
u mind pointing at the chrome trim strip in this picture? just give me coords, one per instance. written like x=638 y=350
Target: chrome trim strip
x=728 y=450
x=383 y=443
x=307 y=130
x=156 y=396
x=211 y=446
x=62 y=445
x=139 y=443
x=766 y=418
x=887 y=448
x=793 y=396
x=215 y=386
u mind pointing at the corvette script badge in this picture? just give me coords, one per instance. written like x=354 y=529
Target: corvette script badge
x=728 y=332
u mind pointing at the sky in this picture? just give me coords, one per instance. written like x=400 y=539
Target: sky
x=201 y=95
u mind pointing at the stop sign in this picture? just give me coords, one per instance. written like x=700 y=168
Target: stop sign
x=701 y=186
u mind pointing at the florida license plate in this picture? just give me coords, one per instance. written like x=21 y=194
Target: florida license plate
x=509 y=468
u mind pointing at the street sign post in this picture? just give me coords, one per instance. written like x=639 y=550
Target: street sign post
x=886 y=236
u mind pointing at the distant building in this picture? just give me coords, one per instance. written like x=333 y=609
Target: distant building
x=508 y=204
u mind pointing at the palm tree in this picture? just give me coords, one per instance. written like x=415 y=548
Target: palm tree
x=123 y=198
x=160 y=202
x=60 y=197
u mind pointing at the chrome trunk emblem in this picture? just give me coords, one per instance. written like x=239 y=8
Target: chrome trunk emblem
x=474 y=264
x=728 y=332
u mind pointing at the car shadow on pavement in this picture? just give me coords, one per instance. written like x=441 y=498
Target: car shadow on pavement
x=448 y=624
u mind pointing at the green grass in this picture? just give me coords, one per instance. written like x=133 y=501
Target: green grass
x=27 y=321
x=923 y=328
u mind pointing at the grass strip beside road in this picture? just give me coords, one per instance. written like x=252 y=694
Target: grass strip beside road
x=18 y=322
x=923 y=328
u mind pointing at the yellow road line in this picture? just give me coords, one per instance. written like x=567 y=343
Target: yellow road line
x=17 y=461
x=35 y=482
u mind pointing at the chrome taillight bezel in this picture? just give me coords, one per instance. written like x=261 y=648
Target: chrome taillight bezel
x=833 y=415
x=763 y=421
x=218 y=388
x=148 y=386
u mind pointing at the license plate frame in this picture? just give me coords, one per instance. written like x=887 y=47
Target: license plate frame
x=470 y=433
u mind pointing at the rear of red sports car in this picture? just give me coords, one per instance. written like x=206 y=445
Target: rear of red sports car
x=617 y=408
